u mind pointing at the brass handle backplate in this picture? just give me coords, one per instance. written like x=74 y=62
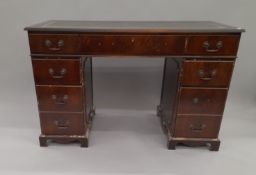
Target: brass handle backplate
x=49 y=44
x=60 y=100
x=198 y=127
x=198 y=100
x=62 y=124
x=63 y=71
x=195 y=100
x=206 y=76
x=217 y=48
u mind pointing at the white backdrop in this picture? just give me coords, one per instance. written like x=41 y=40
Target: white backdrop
x=124 y=84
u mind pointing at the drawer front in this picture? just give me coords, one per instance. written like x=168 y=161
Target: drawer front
x=213 y=45
x=54 y=43
x=202 y=101
x=132 y=45
x=62 y=123
x=197 y=126
x=60 y=98
x=52 y=71
x=207 y=73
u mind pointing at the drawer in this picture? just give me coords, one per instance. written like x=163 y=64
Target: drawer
x=60 y=98
x=133 y=44
x=202 y=101
x=213 y=45
x=207 y=73
x=54 y=43
x=62 y=123
x=53 y=71
x=197 y=126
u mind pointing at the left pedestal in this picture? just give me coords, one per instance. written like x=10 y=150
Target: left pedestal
x=64 y=95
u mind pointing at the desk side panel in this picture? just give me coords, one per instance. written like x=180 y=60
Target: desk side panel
x=88 y=81
x=169 y=92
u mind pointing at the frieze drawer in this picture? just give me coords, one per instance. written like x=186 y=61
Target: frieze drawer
x=54 y=43
x=213 y=45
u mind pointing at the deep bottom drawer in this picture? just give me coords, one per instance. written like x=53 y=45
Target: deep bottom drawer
x=197 y=126
x=62 y=123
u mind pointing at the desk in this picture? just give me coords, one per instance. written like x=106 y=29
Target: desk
x=199 y=60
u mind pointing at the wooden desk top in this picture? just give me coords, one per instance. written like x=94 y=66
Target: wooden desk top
x=134 y=26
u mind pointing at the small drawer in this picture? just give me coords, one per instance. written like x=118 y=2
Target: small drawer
x=60 y=98
x=62 y=123
x=53 y=71
x=54 y=43
x=197 y=126
x=202 y=101
x=213 y=45
x=133 y=44
x=207 y=73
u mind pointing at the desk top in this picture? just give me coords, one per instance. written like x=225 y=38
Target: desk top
x=134 y=26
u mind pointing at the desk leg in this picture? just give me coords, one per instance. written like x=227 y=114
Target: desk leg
x=65 y=139
x=43 y=141
x=213 y=144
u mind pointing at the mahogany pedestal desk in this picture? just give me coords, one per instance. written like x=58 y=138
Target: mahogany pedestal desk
x=199 y=61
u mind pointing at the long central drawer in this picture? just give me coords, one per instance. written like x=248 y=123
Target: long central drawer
x=132 y=44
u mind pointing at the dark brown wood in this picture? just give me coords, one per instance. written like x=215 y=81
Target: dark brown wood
x=228 y=45
x=60 y=98
x=195 y=126
x=198 y=67
x=207 y=73
x=132 y=44
x=57 y=71
x=202 y=101
x=57 y=43
x=181 y=124
x=59 y=123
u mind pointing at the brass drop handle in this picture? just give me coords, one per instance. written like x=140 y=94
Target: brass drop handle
x=206 y=76
x=63 y=71
x=198 y=127
x=196 y=100
x=60 y=100
x=207 y=46
x=48 y=44
x=62 y=124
